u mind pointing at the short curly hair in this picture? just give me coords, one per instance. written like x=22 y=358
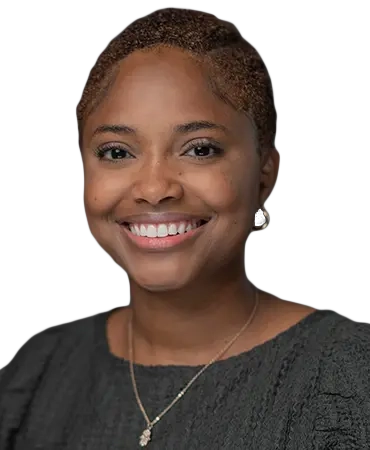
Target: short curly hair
x=235 y=70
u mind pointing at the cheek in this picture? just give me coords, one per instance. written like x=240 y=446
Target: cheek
x=227 y=191
x=101 y=193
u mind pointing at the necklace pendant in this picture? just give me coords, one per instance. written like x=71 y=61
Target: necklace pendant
x=145 y=437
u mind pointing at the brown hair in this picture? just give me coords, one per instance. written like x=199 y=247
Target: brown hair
x=235 y=70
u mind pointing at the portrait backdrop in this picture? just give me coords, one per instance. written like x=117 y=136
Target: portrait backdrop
x=316 y=248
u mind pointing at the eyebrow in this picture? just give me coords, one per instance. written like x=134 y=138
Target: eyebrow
x=183 y=128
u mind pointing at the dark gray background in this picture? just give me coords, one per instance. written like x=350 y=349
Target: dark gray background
x=50 y=269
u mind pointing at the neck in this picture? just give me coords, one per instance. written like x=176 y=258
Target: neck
x=188 y=326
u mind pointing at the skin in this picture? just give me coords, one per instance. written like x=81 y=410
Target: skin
x=188 y=301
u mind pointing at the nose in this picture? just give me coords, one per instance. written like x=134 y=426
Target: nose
x=155 y=183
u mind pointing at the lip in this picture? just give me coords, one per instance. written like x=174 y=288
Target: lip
x=162 y=243
x=168 y=217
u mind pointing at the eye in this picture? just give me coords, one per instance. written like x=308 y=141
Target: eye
x=204 y=150
x=112 y=153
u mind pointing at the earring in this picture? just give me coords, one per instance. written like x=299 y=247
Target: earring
x=261 y=219
x=267 y=222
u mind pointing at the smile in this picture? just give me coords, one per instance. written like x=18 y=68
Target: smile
x=159 y=236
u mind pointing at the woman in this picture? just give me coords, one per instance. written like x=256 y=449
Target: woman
x=177 y=126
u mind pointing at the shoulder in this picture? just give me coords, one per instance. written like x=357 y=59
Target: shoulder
x=41 y=346
x=345 y=354
x=342 y=401
x=39 y=349
x=330 y=349
x=41 y=358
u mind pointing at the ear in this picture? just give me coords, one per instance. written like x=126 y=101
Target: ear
x=270 y=162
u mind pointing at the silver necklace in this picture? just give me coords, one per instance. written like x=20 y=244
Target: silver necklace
x=146 y=435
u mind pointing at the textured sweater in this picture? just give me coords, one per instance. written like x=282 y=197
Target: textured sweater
x=307 y=388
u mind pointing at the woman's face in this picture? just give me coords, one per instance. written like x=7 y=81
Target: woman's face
x=141 y=160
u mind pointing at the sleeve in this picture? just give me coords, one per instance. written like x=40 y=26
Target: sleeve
x=342 y=406
x=19 y=380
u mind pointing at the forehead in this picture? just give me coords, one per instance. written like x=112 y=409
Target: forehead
x=155 y=90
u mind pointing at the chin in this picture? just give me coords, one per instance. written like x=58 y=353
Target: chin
x=160 y=279
x=160 y=288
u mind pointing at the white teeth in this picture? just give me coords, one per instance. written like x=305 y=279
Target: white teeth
x=142 y=230
x=133 y=229
x=151 y=231
x=181 y=228
x=162 y=229
x=172 y=229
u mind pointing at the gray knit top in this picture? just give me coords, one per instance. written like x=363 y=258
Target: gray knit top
x=307 y=388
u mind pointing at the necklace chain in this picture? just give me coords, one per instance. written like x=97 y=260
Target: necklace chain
x=146 y=435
